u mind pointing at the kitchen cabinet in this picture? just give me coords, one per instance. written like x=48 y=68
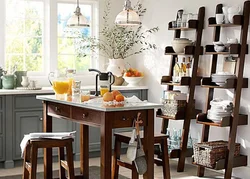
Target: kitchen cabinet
x=21 y=114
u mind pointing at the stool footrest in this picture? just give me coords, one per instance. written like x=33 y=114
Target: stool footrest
x=28 y=166
x=124 y=164
x=64 y=164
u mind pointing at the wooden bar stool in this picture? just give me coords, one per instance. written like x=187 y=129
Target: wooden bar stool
x=125 y=138
x=30 y=156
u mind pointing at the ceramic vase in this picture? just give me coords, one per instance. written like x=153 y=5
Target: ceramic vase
x=117 y=67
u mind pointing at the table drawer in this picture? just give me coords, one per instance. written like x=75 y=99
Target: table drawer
x=86 y=115
x=126 y=118
x=59 y=109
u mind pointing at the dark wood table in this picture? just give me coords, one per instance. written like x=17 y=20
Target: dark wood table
x=94 y=114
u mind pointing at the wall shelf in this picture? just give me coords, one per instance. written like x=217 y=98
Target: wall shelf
x=238 y=161
x=233 y=49
x=195 y=50
x=233 y=122
x=237 y=21
x=192 y=25
x=180 y=115
x=175 y=153
x=229 y=83
x=185 y=81
x=224 y=122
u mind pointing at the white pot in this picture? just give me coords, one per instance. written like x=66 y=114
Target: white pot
x=116 y=66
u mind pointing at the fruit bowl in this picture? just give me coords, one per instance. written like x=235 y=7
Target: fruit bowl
x=132 y=81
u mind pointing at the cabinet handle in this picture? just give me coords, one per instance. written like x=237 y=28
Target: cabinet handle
x=84 y=115
x=124 y=118
x=41 y=119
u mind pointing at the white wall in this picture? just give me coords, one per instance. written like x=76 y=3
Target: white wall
x=155 y=64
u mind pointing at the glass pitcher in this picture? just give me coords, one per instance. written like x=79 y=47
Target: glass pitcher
x=60 y=83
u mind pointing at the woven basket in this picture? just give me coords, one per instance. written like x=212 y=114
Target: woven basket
x=171 y=107
x=208 y=153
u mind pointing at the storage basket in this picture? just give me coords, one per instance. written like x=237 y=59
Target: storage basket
x=208 y=153
x=171 y=107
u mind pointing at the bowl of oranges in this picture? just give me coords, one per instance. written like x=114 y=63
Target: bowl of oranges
x=132 y=76
x=113 y=99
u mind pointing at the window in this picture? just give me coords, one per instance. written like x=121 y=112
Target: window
x=36 y=38
x=69 y=54
x=24 y=35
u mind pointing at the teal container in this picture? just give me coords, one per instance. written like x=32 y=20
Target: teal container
x=19 y=75
x=8 y=81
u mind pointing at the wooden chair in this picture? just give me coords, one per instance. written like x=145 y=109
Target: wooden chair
x=125 y=138
x=30 y=156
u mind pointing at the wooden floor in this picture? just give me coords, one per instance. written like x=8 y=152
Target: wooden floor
x=189 y=173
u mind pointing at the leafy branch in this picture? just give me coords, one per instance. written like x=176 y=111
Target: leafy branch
x=119 y=41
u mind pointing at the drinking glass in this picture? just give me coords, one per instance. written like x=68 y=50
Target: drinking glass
x=76 y=91
x=85 y=95
x=184 y=20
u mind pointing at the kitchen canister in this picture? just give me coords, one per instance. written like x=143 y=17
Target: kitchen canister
x=19 y=75
x=8 y=81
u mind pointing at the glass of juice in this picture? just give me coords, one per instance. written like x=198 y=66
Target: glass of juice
x=61 y=89
x=103 y=90
x=85 y=95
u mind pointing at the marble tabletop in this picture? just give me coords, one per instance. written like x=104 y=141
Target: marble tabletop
x=99 y=105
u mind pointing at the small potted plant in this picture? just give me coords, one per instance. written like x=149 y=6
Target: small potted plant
x=119 y=42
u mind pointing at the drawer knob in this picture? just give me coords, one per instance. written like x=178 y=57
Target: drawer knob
x=124 y=118
x=41 y=119
x=57 y=109
x=84 y=115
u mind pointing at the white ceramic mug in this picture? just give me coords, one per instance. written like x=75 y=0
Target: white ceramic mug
x=219 y=18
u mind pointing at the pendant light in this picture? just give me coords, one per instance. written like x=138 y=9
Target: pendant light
x=77 y=20
x=128 y=17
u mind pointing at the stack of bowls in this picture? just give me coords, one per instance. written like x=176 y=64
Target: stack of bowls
x=221 y=78
x=179 y=44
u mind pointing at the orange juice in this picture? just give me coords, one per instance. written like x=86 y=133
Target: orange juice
x=61 y=87
x=103 y=91
x=71 y=80
x=85 y=97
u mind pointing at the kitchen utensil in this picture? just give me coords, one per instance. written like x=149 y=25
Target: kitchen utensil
x=105 y=80
x=140 y=160
x=219 y=18
x=132 y=146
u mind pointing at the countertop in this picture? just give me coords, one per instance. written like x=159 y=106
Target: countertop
x=99 y=105
x=48 y=90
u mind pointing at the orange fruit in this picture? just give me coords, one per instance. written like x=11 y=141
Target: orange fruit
x=108 y=96
x=115 y=92
x=119 y=98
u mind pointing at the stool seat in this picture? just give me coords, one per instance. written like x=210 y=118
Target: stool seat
x=124 y=137
x=30 y=156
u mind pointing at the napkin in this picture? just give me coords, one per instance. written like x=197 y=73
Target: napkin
x=134 y=99
x=48 y=135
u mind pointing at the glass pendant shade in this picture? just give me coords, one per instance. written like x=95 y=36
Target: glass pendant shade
x=77 y=20
x=128 y=17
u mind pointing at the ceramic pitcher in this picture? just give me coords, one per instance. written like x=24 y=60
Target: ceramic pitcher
x=8 y=81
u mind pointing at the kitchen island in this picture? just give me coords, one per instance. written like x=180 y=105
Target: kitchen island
x=21 y=113
x=105 y=118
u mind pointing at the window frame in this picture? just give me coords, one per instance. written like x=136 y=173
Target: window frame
x=50 y=34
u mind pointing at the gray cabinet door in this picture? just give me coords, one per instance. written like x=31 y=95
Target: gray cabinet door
x=25 y=123
x=2 y=156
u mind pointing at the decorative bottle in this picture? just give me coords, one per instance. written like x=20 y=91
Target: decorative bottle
x=183 y=67
x=189 y=67
x=176 y=71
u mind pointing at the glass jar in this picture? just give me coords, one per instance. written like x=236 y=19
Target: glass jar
x=76 y=91
x=71 y=78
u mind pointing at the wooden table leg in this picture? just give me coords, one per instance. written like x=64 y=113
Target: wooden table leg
x=149 y=144
x=47 y=127
x=106 y=147
x=84 y=150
